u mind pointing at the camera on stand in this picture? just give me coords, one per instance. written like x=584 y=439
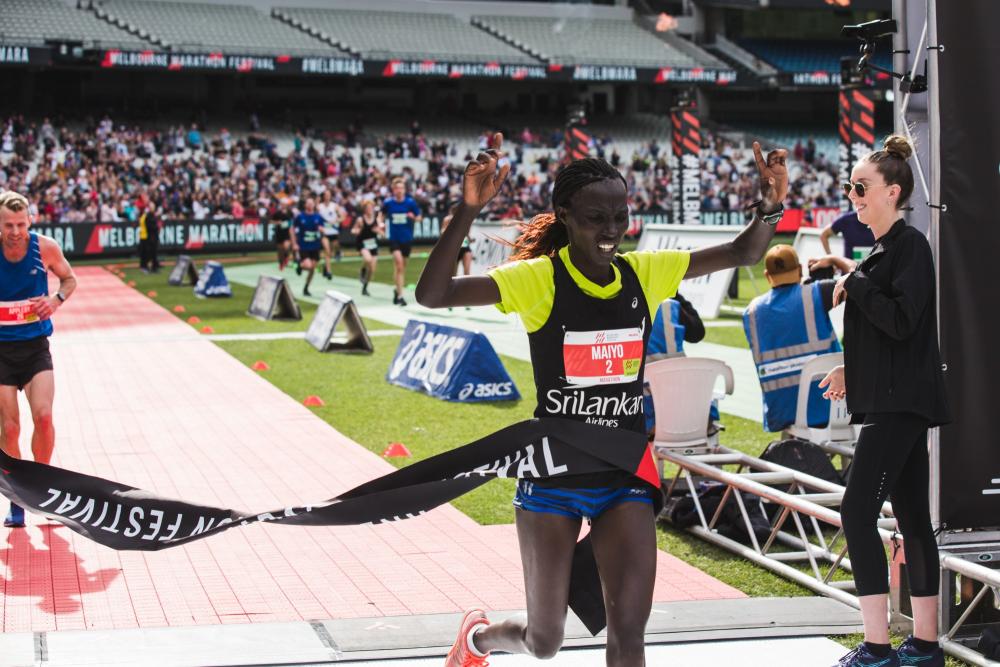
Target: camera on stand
x=870 y=33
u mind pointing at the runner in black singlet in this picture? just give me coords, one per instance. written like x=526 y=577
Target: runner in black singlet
x=587 y=309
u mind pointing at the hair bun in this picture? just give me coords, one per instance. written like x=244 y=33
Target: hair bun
x=898 y=145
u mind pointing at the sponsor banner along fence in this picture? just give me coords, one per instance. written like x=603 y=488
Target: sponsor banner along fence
x=17 y=54
x=284 y=64
x=116 y=239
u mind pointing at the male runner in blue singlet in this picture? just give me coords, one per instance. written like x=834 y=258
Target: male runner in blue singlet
x=25 y=309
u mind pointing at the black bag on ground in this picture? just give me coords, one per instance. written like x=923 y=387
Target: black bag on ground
x=989 y=643
x=801 y=456
x=680 y=511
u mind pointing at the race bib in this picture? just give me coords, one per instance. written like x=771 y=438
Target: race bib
x=399 y=219
x=13 y=313
x=602 y=357
x=370 y=244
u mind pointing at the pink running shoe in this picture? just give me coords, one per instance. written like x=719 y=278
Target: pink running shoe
x=460 y=655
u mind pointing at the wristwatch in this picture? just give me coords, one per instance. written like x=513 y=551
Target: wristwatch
x=770 y=218
x=61 y=297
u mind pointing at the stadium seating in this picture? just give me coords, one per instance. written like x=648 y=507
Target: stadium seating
x=38 y=21
x=405 y=35
x=591 y=41
x=806 y=56
x=743 y=57
x=187 y=27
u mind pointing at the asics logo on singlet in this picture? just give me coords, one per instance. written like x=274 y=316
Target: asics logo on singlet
x=485 y=390
x=635 y=302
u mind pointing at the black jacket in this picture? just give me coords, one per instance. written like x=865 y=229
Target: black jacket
x=891 y=357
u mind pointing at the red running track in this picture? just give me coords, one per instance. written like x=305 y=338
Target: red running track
x=142 y=399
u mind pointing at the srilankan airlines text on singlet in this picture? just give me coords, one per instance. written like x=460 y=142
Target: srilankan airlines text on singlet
x=588 y=357
x=19 y=282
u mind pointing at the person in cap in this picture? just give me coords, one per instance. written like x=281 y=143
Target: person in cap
x=786 y=327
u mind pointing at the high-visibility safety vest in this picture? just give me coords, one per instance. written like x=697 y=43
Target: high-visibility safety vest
x=667 y=338
x=786 y=328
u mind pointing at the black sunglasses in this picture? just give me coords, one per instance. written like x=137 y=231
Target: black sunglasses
x=859 y=188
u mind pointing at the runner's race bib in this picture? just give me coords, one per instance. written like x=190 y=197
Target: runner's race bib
x=370 y=244
x=602 y=357
x=13 y=313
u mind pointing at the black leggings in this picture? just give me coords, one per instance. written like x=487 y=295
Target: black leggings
x=891 y=460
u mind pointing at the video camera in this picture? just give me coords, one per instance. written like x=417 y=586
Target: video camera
x=870 y=31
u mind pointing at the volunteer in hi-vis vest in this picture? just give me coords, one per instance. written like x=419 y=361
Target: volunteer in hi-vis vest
x=588 y=312
x=25 y=309
x=786 y=327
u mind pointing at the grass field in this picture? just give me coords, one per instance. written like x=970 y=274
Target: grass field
x=354 y=390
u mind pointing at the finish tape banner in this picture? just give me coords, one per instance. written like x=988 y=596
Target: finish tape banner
x=126 y=518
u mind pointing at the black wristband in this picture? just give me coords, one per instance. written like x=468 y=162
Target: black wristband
x=767 y=218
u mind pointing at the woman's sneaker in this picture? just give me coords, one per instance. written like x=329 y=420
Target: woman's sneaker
x=460 y=654
x=909 y=654
x=861 y=656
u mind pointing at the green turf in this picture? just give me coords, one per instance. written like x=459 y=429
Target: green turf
x=730 y=336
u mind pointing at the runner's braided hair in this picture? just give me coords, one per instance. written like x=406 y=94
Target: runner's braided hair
x=545 y=234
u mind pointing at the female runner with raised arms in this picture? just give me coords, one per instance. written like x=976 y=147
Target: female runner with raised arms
x=575 y=293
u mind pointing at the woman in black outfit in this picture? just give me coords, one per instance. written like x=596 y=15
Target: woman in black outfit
x=894 y=386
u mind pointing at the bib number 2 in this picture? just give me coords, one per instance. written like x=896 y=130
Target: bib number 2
x=602 y=357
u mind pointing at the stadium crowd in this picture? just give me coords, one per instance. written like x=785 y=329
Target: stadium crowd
x=108 y=172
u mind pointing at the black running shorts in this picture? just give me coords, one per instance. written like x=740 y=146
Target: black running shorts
x=21 y=360
x=403 y=248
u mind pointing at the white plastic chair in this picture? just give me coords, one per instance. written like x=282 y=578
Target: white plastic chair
x=682 y=390
x=839 y=430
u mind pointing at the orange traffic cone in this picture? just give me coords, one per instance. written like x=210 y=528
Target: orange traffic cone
x=194 y=319
x=313 y=401
x=396 y=450
x=178 y=308
x=131 y=283
x=207 y=330
x=151 y=294
x=260 y=366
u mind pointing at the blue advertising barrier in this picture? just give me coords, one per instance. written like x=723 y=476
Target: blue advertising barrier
x=451 y=364
x=212 y=282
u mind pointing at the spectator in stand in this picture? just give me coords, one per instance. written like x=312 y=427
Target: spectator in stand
x=194 y=140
